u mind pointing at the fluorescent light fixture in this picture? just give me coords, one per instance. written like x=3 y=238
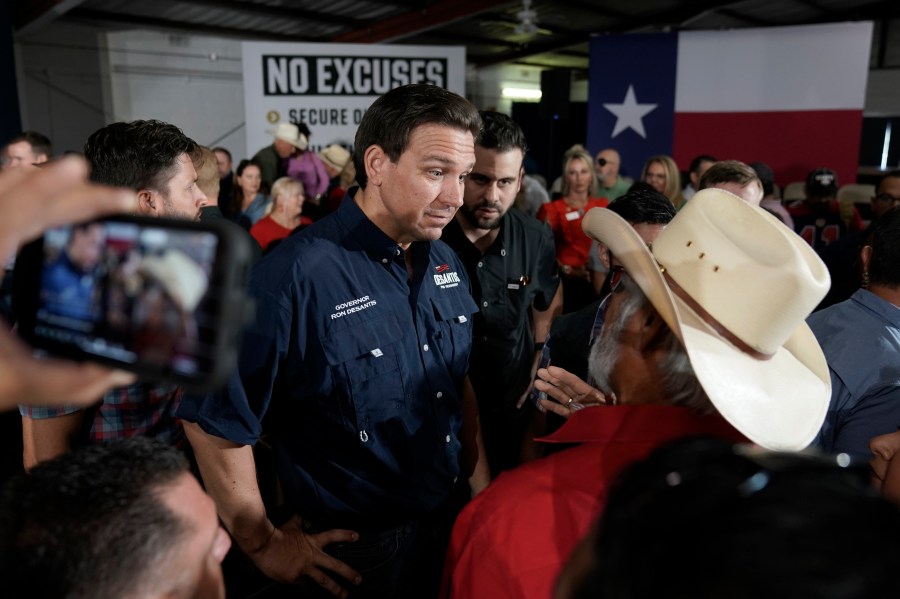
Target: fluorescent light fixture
x=521 y=93
x=886 y=147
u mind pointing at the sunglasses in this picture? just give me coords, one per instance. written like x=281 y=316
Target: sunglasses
x=615 y=278
x=886 y=197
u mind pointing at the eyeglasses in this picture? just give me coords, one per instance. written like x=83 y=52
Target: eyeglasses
x=886 y=197
x=615 y=278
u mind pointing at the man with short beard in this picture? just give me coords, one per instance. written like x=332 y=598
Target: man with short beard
x=511 y=262
x=154 y=159
x=703 y=335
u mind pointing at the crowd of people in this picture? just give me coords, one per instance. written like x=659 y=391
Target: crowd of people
x=459 y=383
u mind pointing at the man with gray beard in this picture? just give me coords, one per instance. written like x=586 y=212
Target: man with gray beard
x=703 y=334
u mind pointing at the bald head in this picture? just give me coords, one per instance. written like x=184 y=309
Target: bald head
x=607 y=164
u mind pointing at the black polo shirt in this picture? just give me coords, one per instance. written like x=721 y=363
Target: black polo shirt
x=518 y=270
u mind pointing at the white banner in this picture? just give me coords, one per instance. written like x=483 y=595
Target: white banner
x=330 y=86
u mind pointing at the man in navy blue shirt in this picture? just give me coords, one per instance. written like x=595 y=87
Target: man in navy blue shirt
x=359 y=355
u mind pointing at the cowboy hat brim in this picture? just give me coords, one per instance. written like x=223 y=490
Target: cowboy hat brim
x=301 y=143
x=779 y=402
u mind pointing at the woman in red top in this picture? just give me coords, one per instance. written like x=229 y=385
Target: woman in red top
x=564 y=217
x=287 y=204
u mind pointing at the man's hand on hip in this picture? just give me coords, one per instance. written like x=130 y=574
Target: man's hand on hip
x=291 y=554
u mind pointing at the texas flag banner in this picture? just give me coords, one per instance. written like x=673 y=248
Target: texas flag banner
x=792 y=97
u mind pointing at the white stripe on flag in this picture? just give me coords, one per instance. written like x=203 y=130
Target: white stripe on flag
x=808 y=67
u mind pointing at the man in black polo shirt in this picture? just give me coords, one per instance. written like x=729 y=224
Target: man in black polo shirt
x=512 y=265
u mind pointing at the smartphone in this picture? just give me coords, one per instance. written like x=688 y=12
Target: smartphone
x=536 y=396
x=159 y=297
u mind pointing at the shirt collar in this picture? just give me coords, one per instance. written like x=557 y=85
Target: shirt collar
x=372 y=239
x=881 y=307
x=602 y=424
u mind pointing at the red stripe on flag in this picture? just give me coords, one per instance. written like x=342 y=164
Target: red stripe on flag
x=792 y=143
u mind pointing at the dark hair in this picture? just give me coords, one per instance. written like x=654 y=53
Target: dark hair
x=90 y=523
x=501 y=133
x=40 y=144
x=224 y=151
x=698 y=161
x=304 y=129
x=139 y=154
x=884 y=237
x=729 y=171
x=391 y=119
x=243 y=164
x=643 y=205
x=237 y=197
x=701 y=519
x=766 y=177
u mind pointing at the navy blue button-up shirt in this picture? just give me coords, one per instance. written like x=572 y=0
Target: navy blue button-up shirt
x=360 y=369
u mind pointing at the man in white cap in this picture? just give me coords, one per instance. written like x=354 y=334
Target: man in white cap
x=704 y=334
x=273 y=159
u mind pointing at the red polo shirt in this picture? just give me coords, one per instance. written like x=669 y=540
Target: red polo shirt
x=513 y=539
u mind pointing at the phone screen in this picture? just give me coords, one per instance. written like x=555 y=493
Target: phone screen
x=130 y=293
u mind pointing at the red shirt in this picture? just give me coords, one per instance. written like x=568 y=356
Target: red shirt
x=513 y=539
x=572 y=245
x=266 y=230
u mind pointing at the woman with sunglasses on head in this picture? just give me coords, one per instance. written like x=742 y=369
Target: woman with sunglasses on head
x=564 y=218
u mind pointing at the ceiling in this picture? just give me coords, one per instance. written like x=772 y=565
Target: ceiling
x=489 y=29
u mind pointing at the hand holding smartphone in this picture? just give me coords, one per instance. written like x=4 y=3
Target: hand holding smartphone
x=159 y=297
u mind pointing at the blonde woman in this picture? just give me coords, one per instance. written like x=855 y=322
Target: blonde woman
x=564 y=218
x=661 y=173
x=285 y=214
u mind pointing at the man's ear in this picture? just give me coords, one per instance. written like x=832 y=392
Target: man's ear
x=376 y=161
x=603 y=255
x=653 y=329
x=148 y=203
x=865 y=257
x=521 y=179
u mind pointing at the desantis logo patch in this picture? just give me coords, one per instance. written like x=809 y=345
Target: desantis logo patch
x=445 y=279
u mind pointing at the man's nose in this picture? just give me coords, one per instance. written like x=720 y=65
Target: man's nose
x=452 y=193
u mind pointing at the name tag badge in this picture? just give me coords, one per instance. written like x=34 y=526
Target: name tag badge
x=574 y=215
x=377 y=352
x=512 y=286
x=461 y=319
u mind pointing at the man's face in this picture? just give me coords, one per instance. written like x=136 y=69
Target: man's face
x=887 y=196
x=183 y=199
x=751 y=193
x=656 y=177
x=491 y=187
x=612 y=355
x=422 y=191
x=224 y=163
x=86 y=247
x=22 y=154
x=195 y=564
x=284 y=149
x=695 y=177
x=607 y=165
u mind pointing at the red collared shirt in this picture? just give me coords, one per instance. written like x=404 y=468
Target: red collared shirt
x=513 y=539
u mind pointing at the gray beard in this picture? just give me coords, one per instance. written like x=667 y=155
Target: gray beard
x=605 y=354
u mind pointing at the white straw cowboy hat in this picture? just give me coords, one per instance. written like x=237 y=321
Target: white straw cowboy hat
x=735 y=285
x=180 y=276
x=290 y=133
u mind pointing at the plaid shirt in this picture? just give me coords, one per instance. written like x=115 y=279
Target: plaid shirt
x=144 y=409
